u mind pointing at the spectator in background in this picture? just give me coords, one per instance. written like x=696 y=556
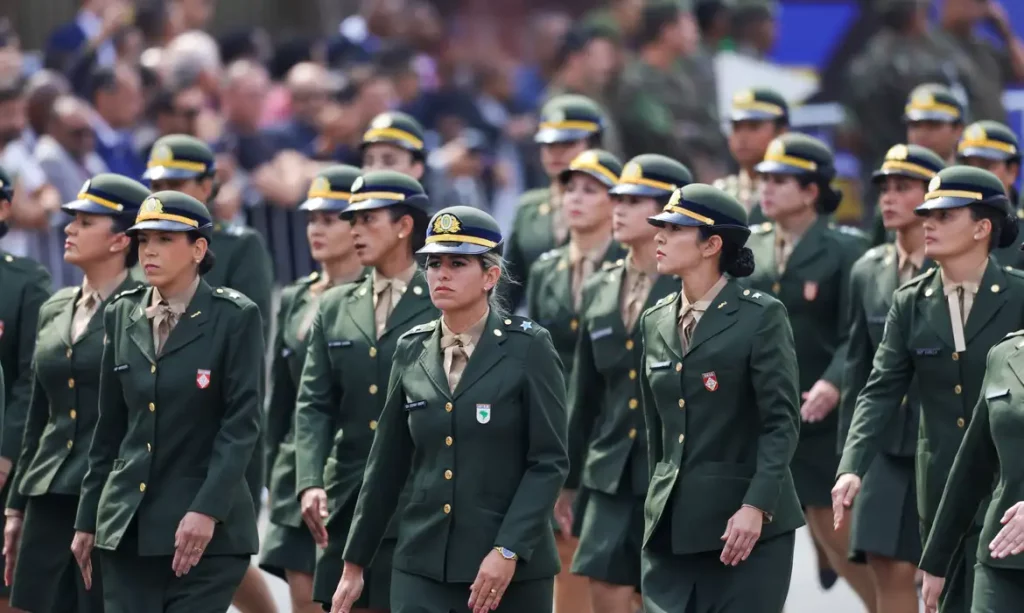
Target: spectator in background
x=286 y=56
x=543 y=38
x=754 y=28
x=41 y=90
x=714 y=19
x=185 y=15
x=175 y=112
x=93 y=28
x=193 y=58
x=117 y=97
x=307 y=85
x=622 y=17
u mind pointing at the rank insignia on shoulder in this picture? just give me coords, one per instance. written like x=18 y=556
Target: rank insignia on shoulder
x=668 y=298
x=526 y=324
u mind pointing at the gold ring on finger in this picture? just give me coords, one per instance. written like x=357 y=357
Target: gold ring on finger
x=494 y=591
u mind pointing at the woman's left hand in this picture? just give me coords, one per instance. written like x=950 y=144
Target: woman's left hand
x=194 y=533
x=931 y=589
x=491 y=582
x=1010 y=540
x=741 y=534
x=819 y=402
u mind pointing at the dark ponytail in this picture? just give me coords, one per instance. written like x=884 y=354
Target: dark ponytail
x=739 y=264
x=828 y=196
x=1004 y=223
x=734 y=260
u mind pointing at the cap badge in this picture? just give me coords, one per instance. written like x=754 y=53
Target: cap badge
x=673 y=201
x=161 y=155
x=898 y=152
x=85 y=186
x=975 y=132
x=447 y=224
x=632 y=172
x=381 y=121
x=587 y=157
x=776 y=149
x=743 y=97
x=357 y=184
x=935 y=183
x=923 y=98
x=320 y=184
x=152 y=206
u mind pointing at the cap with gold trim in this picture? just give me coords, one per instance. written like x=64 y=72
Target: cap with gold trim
x=759 y=104
x=699 y=205
x=595 y=163
x=6 y=185
x=990 y=140
x=651 y=175
x=331 y=189
x=462 y=230
x=569 y=118
x=396 y=128
x=959 y=186
x=933 y=102
x=179 y=156
x=108 y=194
x=170 y=211
x=912 y=161
x=384 y=188
x=798 y=154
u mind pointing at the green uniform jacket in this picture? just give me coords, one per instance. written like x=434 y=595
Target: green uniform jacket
x=918 y=340
x=61 y=418
x=815 y=289
x=25 y=287
x=176 y=431
x=477 y=480
x=549 y=298
x=988 y=461
x=243 y=264
x=606 y=425
x=343 y=384
x=532 y=235
x=873 y=282
x=723 y=421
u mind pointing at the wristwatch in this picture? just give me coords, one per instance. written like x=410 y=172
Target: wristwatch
x=508 y=554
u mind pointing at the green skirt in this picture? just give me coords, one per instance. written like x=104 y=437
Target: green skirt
x=288 y=549
x=957 y=593
x=415 y=594
x=885 y=521
x=376 y=578
x=611 y=537
x=997 y=590
x=134 y=583
x=814 y=466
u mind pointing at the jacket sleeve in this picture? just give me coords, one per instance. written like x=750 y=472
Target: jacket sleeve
x=110 y=428
x=834 y=373
x=547 y=462
x=315 y=410
x=652 y=420
x=774 y=377
x=858 y=360
x=253 y=275
x=35 y=423
x=585 y=404
x=235 y=443
x=20 y=383
x=278 y=417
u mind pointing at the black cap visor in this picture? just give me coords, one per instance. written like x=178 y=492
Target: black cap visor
x=162 y=225
x=958 y=202
x=879 y=175
x=416 y=201
x=935 y=115
x=636 y=189
x=88 y=206
x=754 y=115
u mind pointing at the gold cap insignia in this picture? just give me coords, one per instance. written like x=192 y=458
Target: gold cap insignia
x=357 y=184
x=447 y=224
x=320 y=184
x=935 y=183
x=776 y=149
x=161 y=155
x=151 y=206
x=587 y=157
x=85 y=187
x=975 y=132
x=673 y=201
x=898 y=152
x=381 y=121
x=922 y=98
x=556 y=116
x=632 y=172
x=743 y=97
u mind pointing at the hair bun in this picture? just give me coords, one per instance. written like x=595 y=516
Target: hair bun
x=829 y=199
x=1008 y=233
x=742 y=265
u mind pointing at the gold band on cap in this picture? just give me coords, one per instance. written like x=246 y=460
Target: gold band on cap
x=167 y=217
x=360 y=197
x=910 y=167
x=177 y=164
x=101 y=201
x=460 y=238
x=791 y=161
x=932 y=106
x=394 y=133
x=954 y=193
x=319 y=193
x=601 y=170
x=589 y=126
x=767 y=107
x=987 y=144
x=688 y=213
x=648 y=182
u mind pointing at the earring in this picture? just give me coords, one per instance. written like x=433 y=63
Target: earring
x=401 y=235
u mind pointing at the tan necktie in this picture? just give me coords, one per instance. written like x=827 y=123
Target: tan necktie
x=960 y=298
x=85 y=308
x=581 y=270
x=781 y=255
x=907 y=271
x=635 y=300
x=382 y=306
x=315 y=291
x=456 y=355
x=687 y=324
x=164 y=317
x=559 y=228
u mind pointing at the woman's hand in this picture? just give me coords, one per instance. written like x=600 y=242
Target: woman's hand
x=741 y=534
x=931 y=587
x=491 y=582
x=563 y=511
x=819 y=402
x=81 y=548
x=349 y=588
x=12 y=538
x=193 y=535
x=314 y=512
x=843 y=494
x=1010 y=540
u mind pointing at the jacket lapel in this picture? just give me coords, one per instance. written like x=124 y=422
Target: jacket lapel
x=719 y=316
x=190 y=326
x=763 y=246
x=139 y=328
x=432 y=361
x=414 y=301
x=66 y=316
x=669 y=329
x=991 y=296
x=96 y=322
x=809 y=247
x=935 y=310
x=1015 y=363
x=360 y=310
x=486 y=354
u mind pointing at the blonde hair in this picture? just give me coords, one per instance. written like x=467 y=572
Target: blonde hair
x=495 y=298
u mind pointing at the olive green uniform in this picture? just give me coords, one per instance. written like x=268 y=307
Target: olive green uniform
x=533 y=234
x=476 y=480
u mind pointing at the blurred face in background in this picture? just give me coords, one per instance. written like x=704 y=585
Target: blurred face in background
x=121 y=105
x=188 y=105
x=556 y=157
x=306 y=86
x=601 y=59
x=385 y=156
x=330 y=237
x=586 y=203
x=898 y=197
x=939 y=136
x=12 y=118
x=682 y=35
x=70 y=127
x=245 y=94
x=629 y=219
x=376 y=96
x=749 y=139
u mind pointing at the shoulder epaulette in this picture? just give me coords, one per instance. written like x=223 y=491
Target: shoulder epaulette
x=665 y=300
x=523 y=325
x=1020 y=213
x=430 y=326
x=547 y=255
x=129 y=292
x=751 y=295
x=915 y=281
x=234 y=296
x=619 y=263
x=879 y=251
x=761 y=228
x=848 y=230
x=1014 y=272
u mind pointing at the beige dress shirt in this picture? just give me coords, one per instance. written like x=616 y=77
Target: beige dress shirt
x=690 y=314
x=89 y=302
x=908 y=265
x=784 y=246
x=386 y=294
x=582 y=265
x=458 y=348
x=165 y=312
x=960 y=298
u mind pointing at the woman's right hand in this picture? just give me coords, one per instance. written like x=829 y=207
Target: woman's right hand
x=12 y=538
x=314 y=512
x=931 y=588
x=81 y=547
x=843 y=494
x=563 y=511
x=349 y=588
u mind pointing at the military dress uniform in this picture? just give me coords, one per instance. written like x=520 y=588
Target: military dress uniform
x=812 y=279
x=181 y=390
x=287 y=543
x=60 y=422
x=719 y=391
x=538 y=226
x=398 y=129
x=26 y=286
x=946 y=354
x=342 y=387
x=476 y=481
x=885 y=521
x=986 y=468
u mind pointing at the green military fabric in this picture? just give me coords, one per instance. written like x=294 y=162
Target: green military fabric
x=815 y=288
x=244 y=265
x=177 y=429
x=428 y=596
x=478 y=480
x=532 y=236
x=396 y=128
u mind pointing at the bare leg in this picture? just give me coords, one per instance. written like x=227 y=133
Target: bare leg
x=572 y=593
x=826 y=575
x=894 y=585
x=253 y=594
x=300 y=589
x=5 y=607
x=610 y=598
x=836 y=544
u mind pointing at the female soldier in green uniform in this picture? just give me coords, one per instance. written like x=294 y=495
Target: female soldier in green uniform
x=25 y=287
x=607 y=446
x=69 y=346
x=343 y=383
x=939 y=329
x=719 y=391
x=805 y=262
x=885 y=532
x=474 y=534
x=165 y=499
x=986 y=466
x=288 y=548
x=394 y=141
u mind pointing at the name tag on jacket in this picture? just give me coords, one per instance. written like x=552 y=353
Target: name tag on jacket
x=412 y=406
x=336 y=344
x=927 y=352
x=877 y=319
x=661 y=365
x=121 y=367
x=599 y=334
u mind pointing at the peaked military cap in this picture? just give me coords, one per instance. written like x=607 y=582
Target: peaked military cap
x=6 y=185
x=698 y=205
x=798 y=154
x=596 y=163
x=462 y=230
x=179 y=156
x=759 y=104
x=108 y=194
x=990 y=140
x=652 y=175
x=395 y=128
x=933 y=102
x=959 y=186
x=913 y=161
x=569 y=118
x=331 y=188
x=384 y=188
x=170 y=211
